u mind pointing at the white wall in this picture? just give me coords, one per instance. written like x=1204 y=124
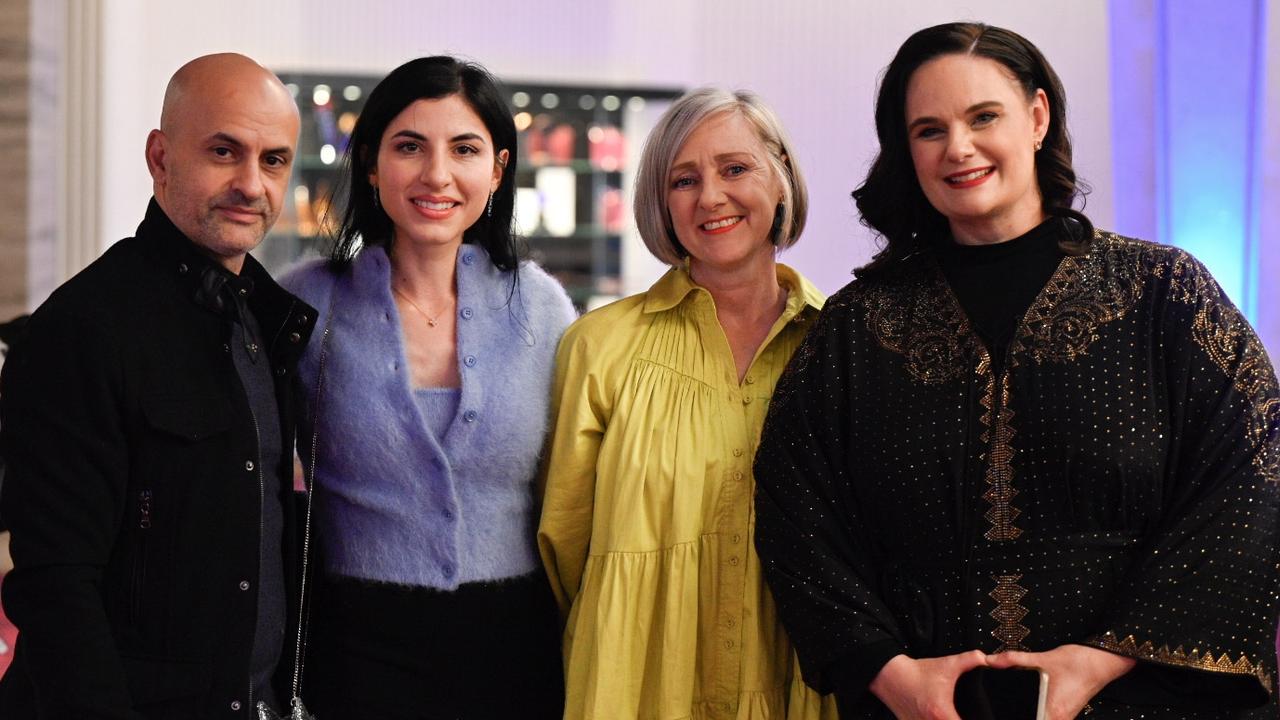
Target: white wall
x=815 y=61
x=1268 y=197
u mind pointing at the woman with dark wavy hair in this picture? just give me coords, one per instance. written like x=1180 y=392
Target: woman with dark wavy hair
x=426 y=395
x=1015 y=441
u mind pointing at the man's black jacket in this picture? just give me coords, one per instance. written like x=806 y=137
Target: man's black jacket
x=132 y=489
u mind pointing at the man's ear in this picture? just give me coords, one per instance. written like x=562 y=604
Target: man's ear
x=157 y=156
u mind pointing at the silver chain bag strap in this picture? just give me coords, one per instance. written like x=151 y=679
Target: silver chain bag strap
x=297 y=710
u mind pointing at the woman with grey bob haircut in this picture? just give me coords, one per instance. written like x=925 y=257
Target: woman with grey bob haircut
x=658 y=404
x=670 y=134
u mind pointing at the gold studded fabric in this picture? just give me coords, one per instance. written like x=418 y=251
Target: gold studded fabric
x=647 y=520
x=1117 y=484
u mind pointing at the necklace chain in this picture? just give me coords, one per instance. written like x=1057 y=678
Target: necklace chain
x=430 y=320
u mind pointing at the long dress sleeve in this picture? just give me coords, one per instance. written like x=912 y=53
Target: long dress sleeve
x=817 y=561
x=1199 y=606
x=579 y=417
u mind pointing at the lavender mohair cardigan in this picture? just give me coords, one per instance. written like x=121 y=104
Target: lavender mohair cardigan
x=392 y=503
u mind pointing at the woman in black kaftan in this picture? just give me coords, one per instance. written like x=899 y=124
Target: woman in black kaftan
x=1017 y=441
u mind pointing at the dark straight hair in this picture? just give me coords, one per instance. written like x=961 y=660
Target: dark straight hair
x=891 y=201
x=363 y=219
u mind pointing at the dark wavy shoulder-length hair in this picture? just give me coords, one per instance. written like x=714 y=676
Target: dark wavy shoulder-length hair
x=363 y=220
x=891 y=201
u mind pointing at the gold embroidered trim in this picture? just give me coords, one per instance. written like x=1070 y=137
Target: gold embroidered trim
x=1008 y=613
x=1104 y=286
x=1225 y=336
x=998 y=436
x=919 y=318
x=1083 y=294
x=1129 y=647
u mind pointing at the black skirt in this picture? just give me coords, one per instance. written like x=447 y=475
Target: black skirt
x=486 y=650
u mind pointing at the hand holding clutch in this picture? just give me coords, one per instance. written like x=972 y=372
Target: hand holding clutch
x=1076 y=673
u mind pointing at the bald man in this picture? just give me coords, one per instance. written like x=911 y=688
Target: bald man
x=148 y=430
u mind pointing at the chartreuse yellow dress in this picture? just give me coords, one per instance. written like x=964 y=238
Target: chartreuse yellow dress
x=647 y=520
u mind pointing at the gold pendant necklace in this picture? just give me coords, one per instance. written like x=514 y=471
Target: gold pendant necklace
x=430 y=320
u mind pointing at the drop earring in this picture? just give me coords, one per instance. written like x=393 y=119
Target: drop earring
x=376 y=200
x=775 y=232
x=489 y=211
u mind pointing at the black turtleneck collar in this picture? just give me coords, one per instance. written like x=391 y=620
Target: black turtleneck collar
x=996 y=284
x=1040 y=238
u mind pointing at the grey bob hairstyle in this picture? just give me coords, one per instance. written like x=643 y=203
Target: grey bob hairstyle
x=653 y=218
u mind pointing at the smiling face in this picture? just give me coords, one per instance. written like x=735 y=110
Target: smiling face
x=972 y=133
x=220 y=161
x=436 y=167
x=722 y=193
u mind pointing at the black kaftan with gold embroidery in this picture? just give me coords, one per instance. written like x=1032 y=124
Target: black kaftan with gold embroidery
x=1117 y=484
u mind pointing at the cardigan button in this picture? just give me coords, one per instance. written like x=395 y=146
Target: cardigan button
x=469 y=361
x=470 y=415
x=447 y=570
x=466 y=313
x=182 y=268
x=235 y=705
x=468 y=259
x=244 y=585
x=295 y=338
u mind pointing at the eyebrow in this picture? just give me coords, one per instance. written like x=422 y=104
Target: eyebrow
x=968 y=111
x=233 y=141
x=718 y=158
x=464 y=137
